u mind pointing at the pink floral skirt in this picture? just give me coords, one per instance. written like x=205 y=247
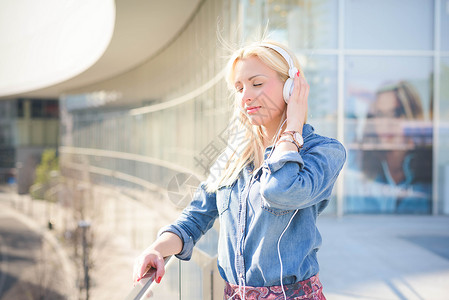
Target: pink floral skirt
x=308 y=289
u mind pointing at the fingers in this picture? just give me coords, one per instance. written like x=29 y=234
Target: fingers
x=140 y=267
x=145 y=262
x=297 y=105
x=144 y=266
x=301 y=87
x=160 y=269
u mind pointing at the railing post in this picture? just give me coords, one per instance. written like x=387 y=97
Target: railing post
x=84 y=225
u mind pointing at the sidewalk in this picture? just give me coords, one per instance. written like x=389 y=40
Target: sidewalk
x=18 y=208
x=385 y=257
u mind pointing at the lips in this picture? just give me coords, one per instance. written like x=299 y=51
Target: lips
x=252 y=109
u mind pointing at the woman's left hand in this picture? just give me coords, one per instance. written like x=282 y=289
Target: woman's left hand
x=297 y=104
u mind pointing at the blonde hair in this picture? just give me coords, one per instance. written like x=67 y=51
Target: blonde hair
x=245 y=142
x=408 y=98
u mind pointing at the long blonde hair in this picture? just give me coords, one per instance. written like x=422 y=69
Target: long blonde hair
x=245 y=142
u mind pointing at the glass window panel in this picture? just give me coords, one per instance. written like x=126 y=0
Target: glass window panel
x=6 y=135
x=169 y=285
x=388 y=134
x=20 y=108
x=252 y=25
x=389 y=24
x=444 y=25
x=321 y=74
x=443 y=134
x=304 y=24
x=192 y=277
x=37 y=107
x=51 y=109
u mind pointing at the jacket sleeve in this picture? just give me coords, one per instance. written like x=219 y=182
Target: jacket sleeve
x=194 y=221
x=291 y=180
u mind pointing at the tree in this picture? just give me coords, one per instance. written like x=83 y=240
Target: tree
x=43 y=175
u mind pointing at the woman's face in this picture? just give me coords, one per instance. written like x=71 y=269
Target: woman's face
x=387 y=119
x=386 y=106
x=259 y=92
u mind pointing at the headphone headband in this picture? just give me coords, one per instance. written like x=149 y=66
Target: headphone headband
x=288 y=85
x=291 y=67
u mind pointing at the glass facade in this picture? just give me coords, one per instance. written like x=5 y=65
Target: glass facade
x=178 y=123
x=382 y=88
x=351 y=60
x=27 y=127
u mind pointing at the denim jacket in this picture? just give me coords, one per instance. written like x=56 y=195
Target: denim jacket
x=256 y=208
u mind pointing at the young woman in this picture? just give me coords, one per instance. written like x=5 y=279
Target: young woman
x=268 y=194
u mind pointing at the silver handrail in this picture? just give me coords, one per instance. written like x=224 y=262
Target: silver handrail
x=141 y=289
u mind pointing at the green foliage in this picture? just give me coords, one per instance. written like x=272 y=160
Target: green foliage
x=49 y=162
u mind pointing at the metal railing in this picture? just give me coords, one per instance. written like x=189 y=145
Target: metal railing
x=142 y=288
x=195 y=279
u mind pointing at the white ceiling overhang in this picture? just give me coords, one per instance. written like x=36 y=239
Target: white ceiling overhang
x=51 y=46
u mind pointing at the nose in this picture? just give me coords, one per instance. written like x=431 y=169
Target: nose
x=247 y=96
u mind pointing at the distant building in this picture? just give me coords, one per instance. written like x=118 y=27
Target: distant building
x=27 y=127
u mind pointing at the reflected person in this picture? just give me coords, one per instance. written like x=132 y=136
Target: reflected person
x=396 y=158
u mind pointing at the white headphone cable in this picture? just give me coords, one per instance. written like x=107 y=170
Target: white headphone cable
x=242 y=280
x=279 y=252
x=277 y=136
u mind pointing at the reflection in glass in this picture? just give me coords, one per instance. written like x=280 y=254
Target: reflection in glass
x=386 y=24
x=443 y=136
x=444 y=26
x=321 y=74
x=303 y=24
x=391 y=167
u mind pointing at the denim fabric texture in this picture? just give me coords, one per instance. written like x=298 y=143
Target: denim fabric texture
x=256 y=208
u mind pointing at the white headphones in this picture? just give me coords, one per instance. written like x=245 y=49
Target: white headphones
x=288 y=85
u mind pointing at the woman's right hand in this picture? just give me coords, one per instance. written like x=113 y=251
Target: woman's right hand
x=166 y=244
x=149 y=258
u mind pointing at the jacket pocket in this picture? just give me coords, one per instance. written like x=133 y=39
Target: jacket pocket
x=223 y=198
x=273 y=210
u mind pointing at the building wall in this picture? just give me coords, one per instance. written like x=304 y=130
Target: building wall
x=27 y=128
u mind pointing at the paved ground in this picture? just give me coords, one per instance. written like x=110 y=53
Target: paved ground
x=30 y=266
x=385 y=257
x=33 y=264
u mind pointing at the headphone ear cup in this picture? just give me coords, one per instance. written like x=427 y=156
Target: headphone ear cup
x=288 y=89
